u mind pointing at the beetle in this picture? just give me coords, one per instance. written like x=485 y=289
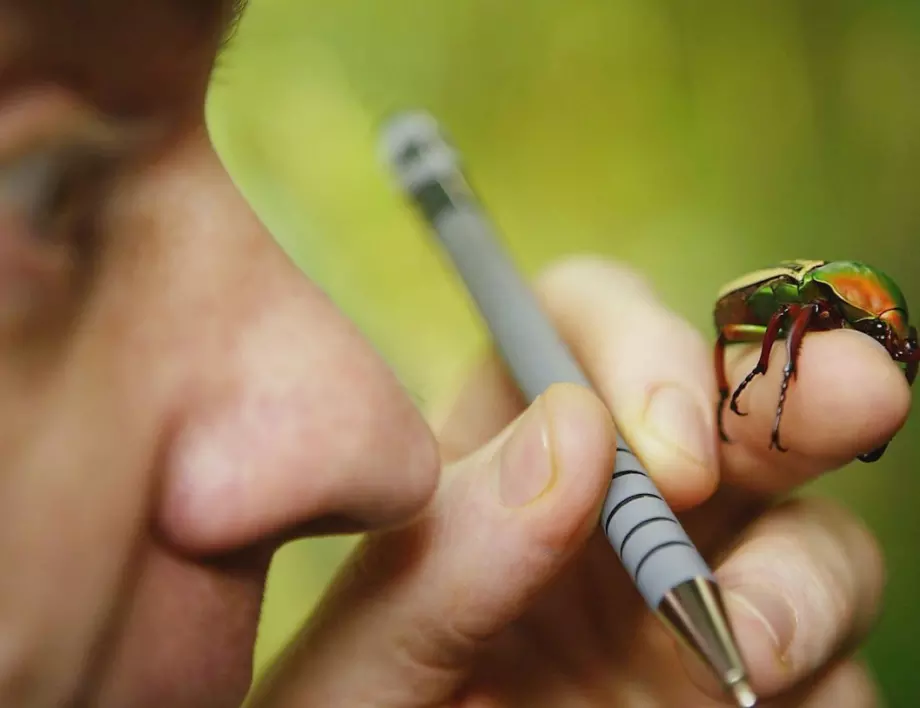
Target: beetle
x=798 y=296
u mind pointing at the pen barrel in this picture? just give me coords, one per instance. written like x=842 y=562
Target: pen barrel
x=659 y=557
x=644 y=532
x=506 y=303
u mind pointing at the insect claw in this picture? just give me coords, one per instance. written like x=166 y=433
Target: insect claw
x=774 y=443
x=873 y=456
x=733 y=404
x=754 y=373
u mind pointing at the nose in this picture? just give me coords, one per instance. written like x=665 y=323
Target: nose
x=301 y=425
x=283 y=416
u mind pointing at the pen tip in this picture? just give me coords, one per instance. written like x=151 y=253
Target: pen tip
x=745 y=697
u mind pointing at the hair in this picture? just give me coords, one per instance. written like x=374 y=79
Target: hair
x=236 y=9
x=219 y=18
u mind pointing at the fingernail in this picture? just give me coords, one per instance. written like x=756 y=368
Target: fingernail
x=676 y=418
x=527 y=465
x=771 y=610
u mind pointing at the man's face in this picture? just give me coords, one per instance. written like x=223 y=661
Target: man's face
x=177 y=398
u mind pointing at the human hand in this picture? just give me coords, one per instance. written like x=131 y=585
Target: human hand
x=507 y=594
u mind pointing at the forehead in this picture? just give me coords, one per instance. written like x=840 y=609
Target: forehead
x=124 y=56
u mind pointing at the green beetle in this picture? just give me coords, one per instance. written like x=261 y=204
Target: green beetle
x=793 y=297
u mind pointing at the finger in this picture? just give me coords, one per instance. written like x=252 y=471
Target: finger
x=650 y=367
x=848 y=398
x=802 y=588
x=846 y=685
x=403 y=622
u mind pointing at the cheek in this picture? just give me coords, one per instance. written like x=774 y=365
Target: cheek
x=205 y=656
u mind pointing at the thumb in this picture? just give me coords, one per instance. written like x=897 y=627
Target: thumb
x=402 y=624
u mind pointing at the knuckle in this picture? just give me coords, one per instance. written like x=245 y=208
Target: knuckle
x=436 y=646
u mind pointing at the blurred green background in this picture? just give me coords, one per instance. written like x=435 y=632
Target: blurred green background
x=695 y=141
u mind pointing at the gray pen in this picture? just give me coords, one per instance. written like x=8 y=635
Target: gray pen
x=663 y=563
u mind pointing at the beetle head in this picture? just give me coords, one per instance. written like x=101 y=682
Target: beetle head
x=909 y=350
x=902 y=346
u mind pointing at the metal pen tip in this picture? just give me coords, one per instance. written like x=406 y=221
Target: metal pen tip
x=745 y=697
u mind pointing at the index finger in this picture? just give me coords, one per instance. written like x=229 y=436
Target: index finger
x=847 y=398
x=625 y=340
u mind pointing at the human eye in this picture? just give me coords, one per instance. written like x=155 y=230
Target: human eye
x=52 y=162
x=30 y=185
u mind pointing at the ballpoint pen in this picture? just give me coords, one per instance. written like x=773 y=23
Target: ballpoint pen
x=661 y=560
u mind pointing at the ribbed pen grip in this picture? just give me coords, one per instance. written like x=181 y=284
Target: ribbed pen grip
x=645 y=533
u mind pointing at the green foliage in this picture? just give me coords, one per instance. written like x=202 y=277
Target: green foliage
x=692 y=143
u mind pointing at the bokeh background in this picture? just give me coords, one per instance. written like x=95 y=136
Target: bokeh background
x=694 y=141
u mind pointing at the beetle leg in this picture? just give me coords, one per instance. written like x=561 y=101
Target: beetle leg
x=769 y=338
x=797 y=331
x=914 y=363
x=721 y=381
x=728 y=335
x=911 y=374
